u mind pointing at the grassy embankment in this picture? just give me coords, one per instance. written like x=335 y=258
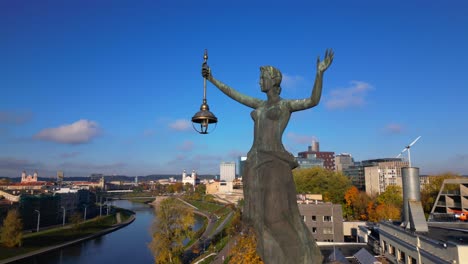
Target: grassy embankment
x=60 y=235
x=221 y=211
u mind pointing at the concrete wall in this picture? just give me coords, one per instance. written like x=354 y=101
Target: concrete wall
x=422 y=249
x=325 y=221
x=372 y=180
x=219 y=187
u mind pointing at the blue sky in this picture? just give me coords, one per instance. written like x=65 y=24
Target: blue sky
x=110 y=86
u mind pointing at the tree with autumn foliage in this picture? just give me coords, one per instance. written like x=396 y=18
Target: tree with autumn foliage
x=245 y=249
x=174 y=223
x=430 y=191
x=355 y=207
x=236 y=224
x=379 y=212
x=11 y=233
x=387 y=205
x=332 y=185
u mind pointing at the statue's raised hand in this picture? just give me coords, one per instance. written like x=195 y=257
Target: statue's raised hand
x=206 y=72
x=322 y=66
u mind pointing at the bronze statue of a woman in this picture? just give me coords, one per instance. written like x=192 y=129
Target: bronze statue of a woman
x=269 y=191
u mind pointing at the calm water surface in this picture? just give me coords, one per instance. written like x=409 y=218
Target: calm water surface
x=126 y=245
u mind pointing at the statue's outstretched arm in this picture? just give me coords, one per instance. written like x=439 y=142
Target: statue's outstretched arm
x=235 y=95
x=314 y=99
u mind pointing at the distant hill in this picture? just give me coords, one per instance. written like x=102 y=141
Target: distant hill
x=152 y=177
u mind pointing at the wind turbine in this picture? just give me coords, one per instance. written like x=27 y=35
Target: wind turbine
x=408 y=148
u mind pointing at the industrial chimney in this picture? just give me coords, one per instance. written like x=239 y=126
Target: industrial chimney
x=413 y=214
x=315 y=146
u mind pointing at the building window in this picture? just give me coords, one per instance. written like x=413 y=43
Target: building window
x=314 y=218
x=314 y=230
x=328 y=230
x=303 y=218
x=412 y=260
x=391 y=250
x=402 y=257
x=327 y=218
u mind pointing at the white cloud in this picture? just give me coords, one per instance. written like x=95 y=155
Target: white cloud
x=393 y=128
x=186 y=146
x=82 y=131
x=291 y=81
x=352 y=96
x=300 y=139
x=180 y=125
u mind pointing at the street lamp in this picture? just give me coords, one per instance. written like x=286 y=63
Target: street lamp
x=64 y=213
x=204 y=117
x=100 y=207
x=38 y=219
x=85 y=212
x=107 y=207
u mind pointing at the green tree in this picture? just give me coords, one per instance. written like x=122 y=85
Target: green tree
x=11 y=233
x=332 y=185
x=393 y=195
x=430 y=191
x=386 y=205
x=174 y=223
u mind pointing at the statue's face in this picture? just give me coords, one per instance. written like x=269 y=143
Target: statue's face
x=265 y=82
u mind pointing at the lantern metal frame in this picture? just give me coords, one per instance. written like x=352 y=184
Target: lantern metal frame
x=204 y=117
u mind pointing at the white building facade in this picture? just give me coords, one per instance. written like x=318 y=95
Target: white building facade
x=379 y=177
x=189 y=178
x=227 y=171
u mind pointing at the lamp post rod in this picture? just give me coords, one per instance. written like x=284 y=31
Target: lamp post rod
x=64 y=212
x=205 y=59
x=38 y=219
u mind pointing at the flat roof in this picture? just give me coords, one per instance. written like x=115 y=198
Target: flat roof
x=449 y=234
x=454 y=232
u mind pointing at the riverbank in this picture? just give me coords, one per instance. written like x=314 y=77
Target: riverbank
x=43 y=250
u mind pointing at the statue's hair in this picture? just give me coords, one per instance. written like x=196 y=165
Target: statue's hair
x=274 y=74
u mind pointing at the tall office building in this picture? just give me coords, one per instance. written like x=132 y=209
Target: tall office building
x=60 y=176
x=227 y=171
x=358 y=176
x=382 y=175
x=314 y=152
x=240 y=167
x=343 y=161
x=311 y=161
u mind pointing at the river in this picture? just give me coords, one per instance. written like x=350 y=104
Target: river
x=126 y=245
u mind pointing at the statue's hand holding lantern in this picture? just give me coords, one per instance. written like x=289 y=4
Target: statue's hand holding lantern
x=204 y=117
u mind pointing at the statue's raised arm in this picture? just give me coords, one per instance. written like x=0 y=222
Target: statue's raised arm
x=314 y=99
x=234 y=94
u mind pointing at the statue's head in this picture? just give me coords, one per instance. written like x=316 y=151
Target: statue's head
x=270 y=78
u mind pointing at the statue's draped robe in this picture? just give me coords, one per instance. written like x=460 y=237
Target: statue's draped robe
x=270 y=194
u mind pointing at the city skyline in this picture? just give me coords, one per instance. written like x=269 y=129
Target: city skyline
x=110 y=87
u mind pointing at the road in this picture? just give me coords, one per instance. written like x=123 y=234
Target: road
x=205 y=240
